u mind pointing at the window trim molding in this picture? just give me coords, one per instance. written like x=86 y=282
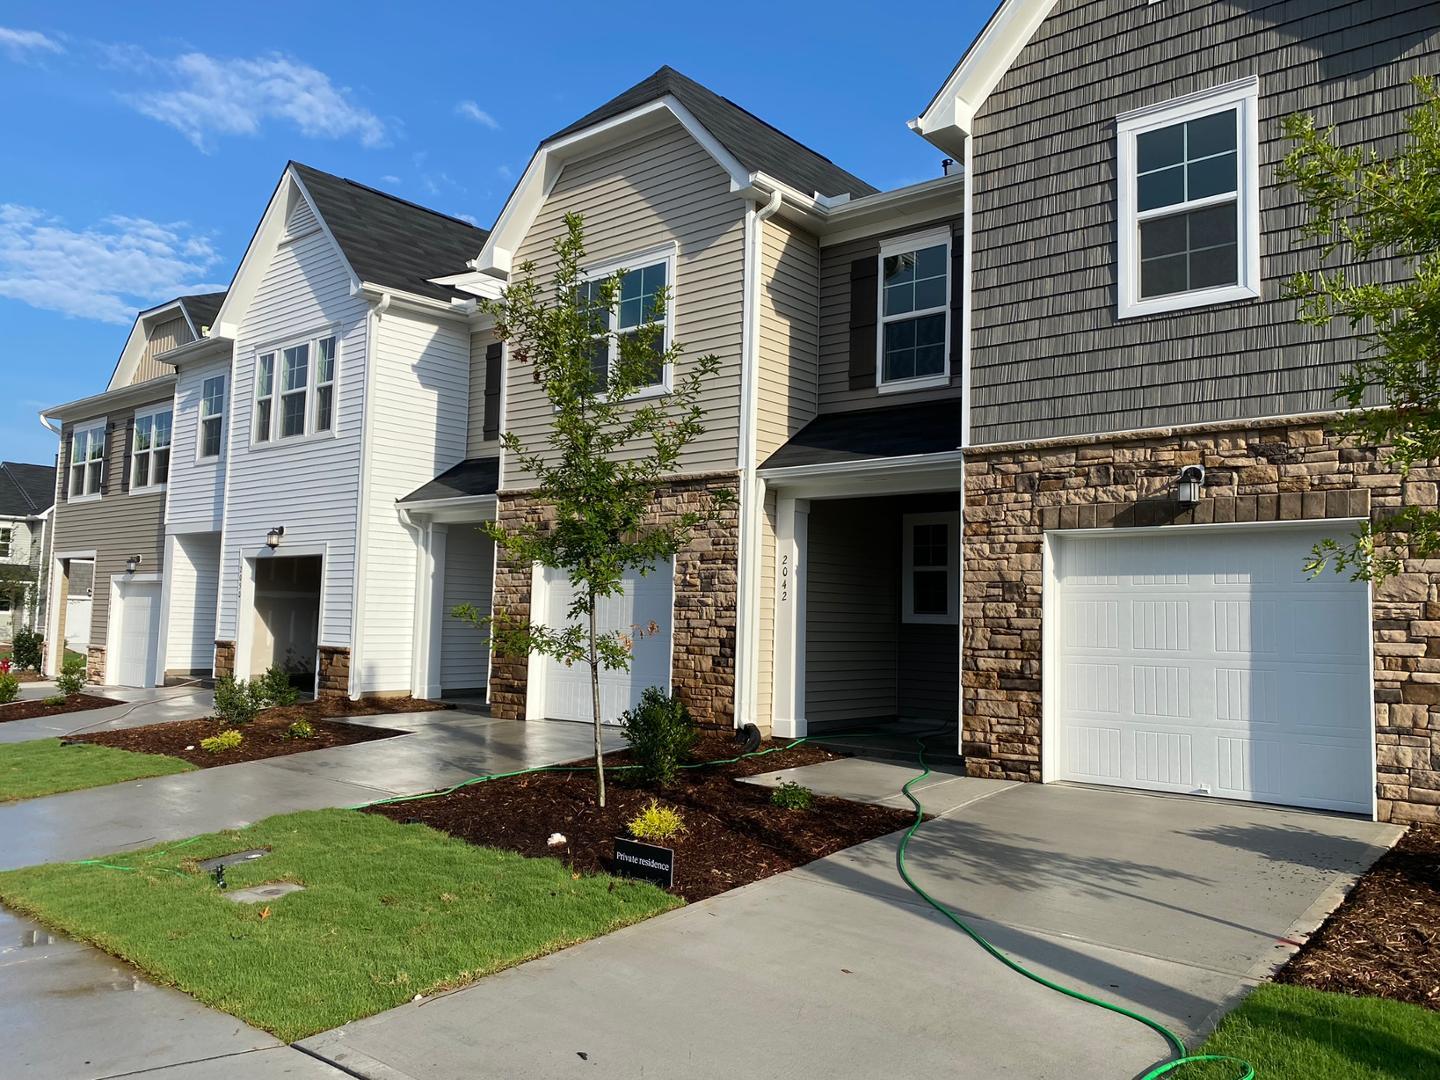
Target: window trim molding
x=933 y=237
x=1242 y=95
x=102 y=425
x=7 y=544
x=951 y=520
x=669 y=254
x=200 y=456
x=149 y=412
x=277 y=349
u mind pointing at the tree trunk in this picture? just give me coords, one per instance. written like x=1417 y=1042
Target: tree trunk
x=595 y=707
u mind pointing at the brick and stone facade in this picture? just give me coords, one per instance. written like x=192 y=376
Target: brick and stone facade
x=1292 y=471
x=94 y=663
x=334 y=678
x=706 y=596
x=224 y=659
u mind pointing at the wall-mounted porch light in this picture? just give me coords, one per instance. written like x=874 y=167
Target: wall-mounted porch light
x=272 y=538
x=1190 y=486
x=133 y=563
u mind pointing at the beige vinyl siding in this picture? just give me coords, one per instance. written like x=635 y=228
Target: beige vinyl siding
x=116 y=525
x=164 y=336
x=476 y=445
x=660 y=189
x=835 y=392
x=789 y=372
x=765 y=654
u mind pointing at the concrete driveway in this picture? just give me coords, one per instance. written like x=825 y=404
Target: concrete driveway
x=1169 y=906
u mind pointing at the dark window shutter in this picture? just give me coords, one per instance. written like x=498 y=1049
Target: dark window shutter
x=122 y=456
x=494 y=360
x=62 y=462
x=864 y=313
x=957 y=297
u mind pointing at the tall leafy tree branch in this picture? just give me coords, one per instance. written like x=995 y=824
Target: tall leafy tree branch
x=1362 y=206
x=605 y=458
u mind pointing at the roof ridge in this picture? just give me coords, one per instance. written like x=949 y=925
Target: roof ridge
x=392 y=197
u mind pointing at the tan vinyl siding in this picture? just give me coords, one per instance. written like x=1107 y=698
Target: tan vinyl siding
x=835 y=392
x=476 y=445
x=164 y=336
x=116 y=525
x=789 y=372
x=660 y=189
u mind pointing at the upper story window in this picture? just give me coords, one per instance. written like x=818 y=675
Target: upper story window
x=302 y=377
x=150 y=450
x=6 y=542
x=635 y=309
x=1189 y=201
x=914 y=342
x=87 y=461
x=212 y=417
x=931 y=564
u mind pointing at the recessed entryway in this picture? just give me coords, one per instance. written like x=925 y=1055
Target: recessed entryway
x=287 y=616
x=1206 y=661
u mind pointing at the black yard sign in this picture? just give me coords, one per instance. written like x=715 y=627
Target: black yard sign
x=645 y=861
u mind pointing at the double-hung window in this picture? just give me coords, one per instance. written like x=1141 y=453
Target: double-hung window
x=150 y=450
x=1189 y=202
x=6 y=540
x=635 y=309
x=931 y=567
x=295 y=390
x=212 y=417
x=914 y=320
x=87 y=461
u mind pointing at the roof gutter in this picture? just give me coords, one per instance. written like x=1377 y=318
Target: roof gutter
x=135 y=393
x=458 y=502
x=791 y=474
x=384 y=298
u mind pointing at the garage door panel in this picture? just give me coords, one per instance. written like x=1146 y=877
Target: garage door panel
x=1209 y=661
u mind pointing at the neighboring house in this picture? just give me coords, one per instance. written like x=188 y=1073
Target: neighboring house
x=109 y=515
x=27 y=497
x=1130 y=244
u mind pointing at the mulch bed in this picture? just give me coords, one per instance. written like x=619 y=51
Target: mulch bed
x=1384 y=940
x=733 y=835
x=31 y=708
x=266 y=736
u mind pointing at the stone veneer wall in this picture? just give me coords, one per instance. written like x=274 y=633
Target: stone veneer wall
x=94 y=663
x=706 y=576
x=224 y=659
x=1254 y=472
x=334 y=671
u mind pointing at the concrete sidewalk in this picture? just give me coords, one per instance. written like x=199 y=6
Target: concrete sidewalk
x=136 y=708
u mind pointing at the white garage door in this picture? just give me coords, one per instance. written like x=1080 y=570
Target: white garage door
x=646 y=600
x=139 y=637
x=1206 y=661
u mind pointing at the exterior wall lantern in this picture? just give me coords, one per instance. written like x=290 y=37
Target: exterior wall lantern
x=133 y=563
x=272 y=538
x=1190 y=486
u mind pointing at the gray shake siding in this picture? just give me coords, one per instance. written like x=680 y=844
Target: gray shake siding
x=1049 y=355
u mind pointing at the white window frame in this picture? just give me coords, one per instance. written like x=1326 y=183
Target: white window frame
x=1243 y=97
x=202 y=416
x=7 y=541
x=89 y=428
x=277 y=394
x=666 y=254
x=150 y=487
x=899 y=245
x=951 y=520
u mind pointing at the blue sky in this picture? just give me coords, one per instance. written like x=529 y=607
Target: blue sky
x=141 y=141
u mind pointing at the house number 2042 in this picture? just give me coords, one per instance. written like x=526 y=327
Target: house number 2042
x=784 y=578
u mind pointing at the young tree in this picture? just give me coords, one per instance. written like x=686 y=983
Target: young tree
x=1362 y=205
x=603 y=460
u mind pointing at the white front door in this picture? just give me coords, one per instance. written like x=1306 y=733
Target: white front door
x=138 y=641
x=644 y=612
x=1207 y=661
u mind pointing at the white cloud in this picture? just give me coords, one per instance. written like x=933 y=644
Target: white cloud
x=503 y=171
x=472 y=111
x=107 y=271
x=25 y=44
x=214 y=96
x=471 y=218
x=389 y=179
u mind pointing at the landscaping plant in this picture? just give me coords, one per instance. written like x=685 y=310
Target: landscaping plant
x=237 y=702
x=300 y=729
x=656 y=822
x=27 y=649
x=229 y=739
x=792 y=796
x=9 y=684
x=1366 y=207
x=55 y=700
x=606 y=457
x=660 y=734
x=73 y=676
x=273 y=688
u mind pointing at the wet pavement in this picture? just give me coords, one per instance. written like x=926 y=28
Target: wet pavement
x=135 y=708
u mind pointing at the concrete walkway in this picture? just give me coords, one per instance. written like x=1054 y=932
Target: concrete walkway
x=136 y=709
x=1169 y=906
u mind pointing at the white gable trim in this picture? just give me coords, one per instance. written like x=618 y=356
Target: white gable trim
x=268 y=236
x=497 y=256
x=950 y=116
x=134 y=349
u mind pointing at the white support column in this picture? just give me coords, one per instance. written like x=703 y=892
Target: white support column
x=429 y=610
x=792 y=529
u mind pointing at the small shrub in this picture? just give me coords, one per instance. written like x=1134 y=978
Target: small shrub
x=72 y=678
x=55 y=700
x=792 y=796
x=660 y=734
x=229 y=739
x=273 y=688
x=28 y=649
x=656 y=822
x=9 y=684
x=300 y=729
x=236 y=701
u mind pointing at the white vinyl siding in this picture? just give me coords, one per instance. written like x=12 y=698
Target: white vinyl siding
x=197 y=483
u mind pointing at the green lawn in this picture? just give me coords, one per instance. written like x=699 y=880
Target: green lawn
x=389 y=911
x=46 y=767
x=1291 y=1033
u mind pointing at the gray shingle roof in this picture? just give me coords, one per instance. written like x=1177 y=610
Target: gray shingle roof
x=203 y=308
x=930 y=427
x=755 y=144
x=473 y=476
x=389 y=241
x=25 y=490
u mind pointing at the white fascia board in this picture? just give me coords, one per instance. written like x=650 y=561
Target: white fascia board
x=129 y=361
x=951 y=113
x=144 y=393
x=496 y=258
x=426 y=305
x=205 y=348
x=789 y=475
x=473 y=282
